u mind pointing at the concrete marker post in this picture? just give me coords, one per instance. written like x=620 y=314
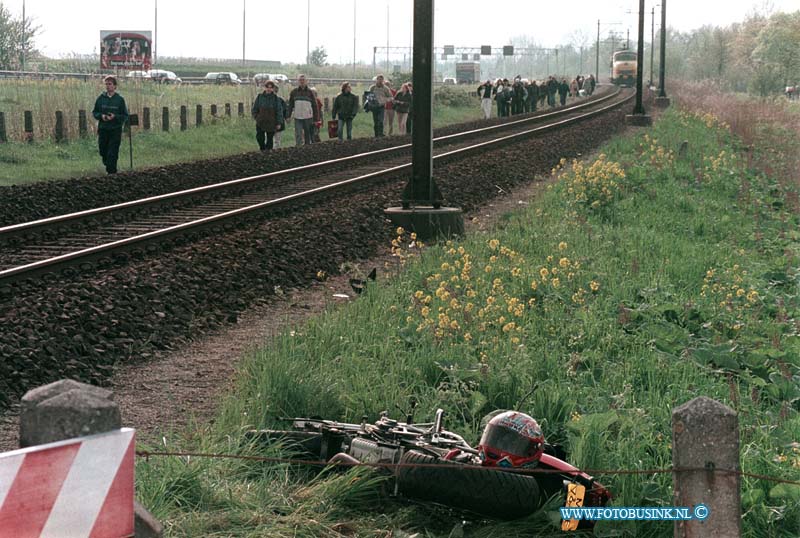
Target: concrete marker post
x=67 y=409
x=705 y=435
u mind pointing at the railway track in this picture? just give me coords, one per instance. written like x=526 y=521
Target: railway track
x=100 y=236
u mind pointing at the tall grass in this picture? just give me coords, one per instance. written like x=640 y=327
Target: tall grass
x=608 y=301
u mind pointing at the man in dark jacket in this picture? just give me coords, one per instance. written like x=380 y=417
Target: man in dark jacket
x=563 y=91
x=111 y=113
x=533 y=96
x=520 y=96
x=552 y=90
x=345 y=106
x=268 y=112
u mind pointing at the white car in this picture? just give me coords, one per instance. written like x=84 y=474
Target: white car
x=164 y=77
x=138 y=74
x=280 y=78
x=449 y=81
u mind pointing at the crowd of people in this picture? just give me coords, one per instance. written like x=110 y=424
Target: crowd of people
x=387 y=105
x=522 y=95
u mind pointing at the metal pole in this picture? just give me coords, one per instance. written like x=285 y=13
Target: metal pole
x=639 y=108
x=628 y=38
x=652 y=41
x=308 y=34
x=597 y=57
x=422 y=190
x=22 y=56
x=354 y=38
x=387 y=37
x=244 y=28
x=661 y=68
x=155 y=34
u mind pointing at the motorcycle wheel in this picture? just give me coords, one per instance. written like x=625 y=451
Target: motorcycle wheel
x=489 y=492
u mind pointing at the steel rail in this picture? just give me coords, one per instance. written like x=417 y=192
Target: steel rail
x=15 y=230
x=48 y=265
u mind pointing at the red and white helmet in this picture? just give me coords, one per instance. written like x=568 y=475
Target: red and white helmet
x=511 y=439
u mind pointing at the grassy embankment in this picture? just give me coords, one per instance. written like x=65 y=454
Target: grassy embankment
x=25 y=163
x=636 y=283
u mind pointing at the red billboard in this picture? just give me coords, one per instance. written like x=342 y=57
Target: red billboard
x=126 y=50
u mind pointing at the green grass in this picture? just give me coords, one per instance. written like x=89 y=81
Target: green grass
x=43 y=159
x=638 y=324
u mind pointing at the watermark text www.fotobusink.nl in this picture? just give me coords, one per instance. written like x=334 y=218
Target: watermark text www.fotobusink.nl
x=637 y=513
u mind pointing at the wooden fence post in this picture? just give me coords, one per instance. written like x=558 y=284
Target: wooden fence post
x=183 y=118
x=214 y=110
x=705 y=435
x=228 y=110
x=198 y=117
x=83 y=126
x=59 y=130
x=29 y=126
x=3 y=136
x=165 y=119
x=326 y=104
x=241 y=110
x=146 y=118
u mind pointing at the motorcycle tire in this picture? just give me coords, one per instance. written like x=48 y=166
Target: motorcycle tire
x=494 y=493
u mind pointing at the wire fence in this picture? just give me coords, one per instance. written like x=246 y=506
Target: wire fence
x=526 y=471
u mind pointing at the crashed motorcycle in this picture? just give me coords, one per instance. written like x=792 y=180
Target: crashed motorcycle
x=497 y=479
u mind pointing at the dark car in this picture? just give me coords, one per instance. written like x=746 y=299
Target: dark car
x=222 y=78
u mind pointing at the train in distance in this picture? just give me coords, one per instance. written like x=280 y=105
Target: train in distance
x=623 y=68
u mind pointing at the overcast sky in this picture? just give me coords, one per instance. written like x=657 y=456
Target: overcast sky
x=276 y=30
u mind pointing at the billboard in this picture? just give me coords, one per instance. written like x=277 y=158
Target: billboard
x=121 y=49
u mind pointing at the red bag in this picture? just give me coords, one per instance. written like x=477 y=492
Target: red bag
x=333 y=128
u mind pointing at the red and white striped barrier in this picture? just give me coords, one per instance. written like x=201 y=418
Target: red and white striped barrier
x=70 y=489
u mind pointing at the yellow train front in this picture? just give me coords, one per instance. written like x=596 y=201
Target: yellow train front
x=623 y=68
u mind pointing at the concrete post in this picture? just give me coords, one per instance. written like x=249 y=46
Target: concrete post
x=67 y=409
x=198 y=117
x=165 y=119
x=705 y=434
x=146 y=118
x=228 y=110
x=3 y=136
x=241 y=110
x=183 y=118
